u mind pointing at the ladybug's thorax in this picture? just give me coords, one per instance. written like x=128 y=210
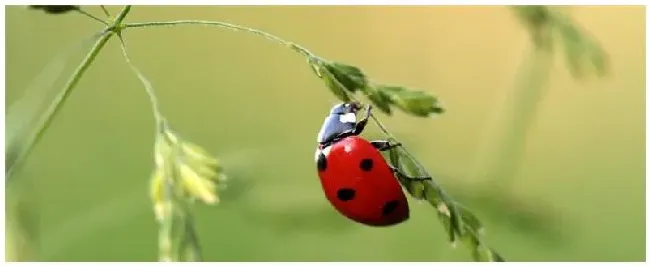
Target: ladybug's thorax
x=338 y=124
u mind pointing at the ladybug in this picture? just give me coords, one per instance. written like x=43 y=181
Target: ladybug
x=356 y=179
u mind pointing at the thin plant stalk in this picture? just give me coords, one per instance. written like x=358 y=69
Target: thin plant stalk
x=166 y=243
x=105 y=10
x=155 y=107
x=226 y=25
x=177 y=240
x=93 y=17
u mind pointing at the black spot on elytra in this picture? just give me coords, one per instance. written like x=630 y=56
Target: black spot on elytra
x=366 y=164
x=321 y=163
x=389 y=207
x=346 y=194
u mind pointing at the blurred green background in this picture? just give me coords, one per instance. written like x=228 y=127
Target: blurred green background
x=259 y=107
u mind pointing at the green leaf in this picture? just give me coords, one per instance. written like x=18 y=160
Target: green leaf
x=447 y=210
x=573 y=49
x=480 y=252
x=486 y=254
x=417 y=103
x=457 y=220
x=582 y=52
x=599 y=61
x=496 y=257
x=408 y=166
x=351 y=77
x=415 y=188
x=55 y=9
x=379 y=99
x=434 y=196
x=446 y=222
x=533 y=16
x=330 y=80
x=470 y=219
x=539 y=21
x=393 y=155
x=474 y=244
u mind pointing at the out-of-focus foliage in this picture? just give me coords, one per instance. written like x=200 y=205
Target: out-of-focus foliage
x=549 y=26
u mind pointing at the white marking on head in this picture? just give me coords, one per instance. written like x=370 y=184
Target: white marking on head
x=348 y=118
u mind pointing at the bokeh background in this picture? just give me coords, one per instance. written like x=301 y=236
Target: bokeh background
x=578 y=195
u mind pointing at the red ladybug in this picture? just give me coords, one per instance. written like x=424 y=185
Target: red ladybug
x=355 y=177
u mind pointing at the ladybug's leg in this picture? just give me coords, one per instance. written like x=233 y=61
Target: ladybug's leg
x=361 y=124
x=384 y=145
x=399 y=172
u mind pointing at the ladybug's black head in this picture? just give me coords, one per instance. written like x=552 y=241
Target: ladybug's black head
x=340 y=123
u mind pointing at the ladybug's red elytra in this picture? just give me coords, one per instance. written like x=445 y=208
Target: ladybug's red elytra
x=355 y=177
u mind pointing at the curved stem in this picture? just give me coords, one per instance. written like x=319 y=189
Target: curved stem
x=303 y=51
x=147 y=86
x=57 y=103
